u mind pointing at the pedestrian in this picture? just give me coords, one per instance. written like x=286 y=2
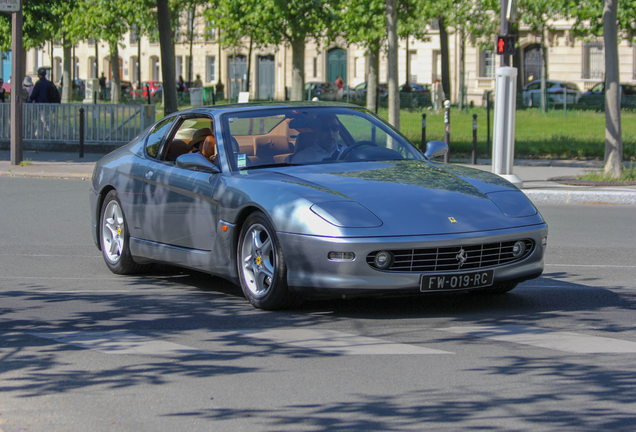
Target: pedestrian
x=27 y=88
x=180 y=87
x=197 y=83
x=340 y=84
x=102 y=87
x=438 y=95
x=2 y=90
x=40 y=92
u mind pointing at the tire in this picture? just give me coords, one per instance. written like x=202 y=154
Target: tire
x=114 y=237
x=497 y=289
x=261 y=266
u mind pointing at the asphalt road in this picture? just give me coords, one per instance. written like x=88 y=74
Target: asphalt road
x=82 y=349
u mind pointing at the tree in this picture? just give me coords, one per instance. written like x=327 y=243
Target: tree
x=539 y=15
x=292 y=23
x=167 y=57
x=394 y=94
x=612 y=19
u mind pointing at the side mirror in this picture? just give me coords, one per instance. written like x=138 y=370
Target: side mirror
x=196 y=162
x=434 y=149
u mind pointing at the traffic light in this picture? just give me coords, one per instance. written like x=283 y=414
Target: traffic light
x=505 y=45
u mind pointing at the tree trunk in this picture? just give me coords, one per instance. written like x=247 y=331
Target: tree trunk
x=67 y=88
x=392 y=38
x=443 y=42
x=115 y=85
x=191 y=30
x=462 y=67
x=613 y=133
x=167 y=57
x=373 y=78
x=544 y=73
x=249 y=65
x=298 y=68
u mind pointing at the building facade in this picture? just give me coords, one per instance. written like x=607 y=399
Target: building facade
x=270 y=72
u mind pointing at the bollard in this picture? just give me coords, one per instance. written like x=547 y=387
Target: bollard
x=81 y=133
x=214 y=98
x=447 y=105
x=424 y=132
x=488 y=118
x=474 y=160
x=148 y=93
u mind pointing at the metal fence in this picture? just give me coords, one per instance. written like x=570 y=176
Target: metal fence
x=60 y=123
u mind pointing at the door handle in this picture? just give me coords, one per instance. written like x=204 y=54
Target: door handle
x=149 y=174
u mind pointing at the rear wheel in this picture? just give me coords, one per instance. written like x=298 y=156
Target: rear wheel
x=115 y=238
x=261 y=266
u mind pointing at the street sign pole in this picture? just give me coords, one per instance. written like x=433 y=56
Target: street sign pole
x=16 y=84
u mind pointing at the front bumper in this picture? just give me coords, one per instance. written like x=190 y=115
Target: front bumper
x=309 y=270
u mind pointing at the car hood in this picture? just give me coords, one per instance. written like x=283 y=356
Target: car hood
x=404 y=197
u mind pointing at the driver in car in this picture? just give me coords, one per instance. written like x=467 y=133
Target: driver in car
x=326 y=146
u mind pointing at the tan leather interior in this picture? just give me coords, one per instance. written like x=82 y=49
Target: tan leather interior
x=209 y=148
x=267 y=147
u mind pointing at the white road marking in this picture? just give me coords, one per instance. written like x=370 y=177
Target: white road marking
x=547 y=338
x=335 y=342
x=120 y=342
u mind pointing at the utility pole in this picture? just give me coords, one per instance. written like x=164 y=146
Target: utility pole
x=17 y=74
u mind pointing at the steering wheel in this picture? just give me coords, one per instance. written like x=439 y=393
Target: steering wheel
x=354 y=146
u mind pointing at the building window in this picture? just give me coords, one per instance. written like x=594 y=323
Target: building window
x=57 y=69
x=178 y=65
x=593 y=61
x=486 y=63
x=413 y=66
x=210 y=32
x=92 y=68
x=134 y=65
x=91 y=42
x=210 y=63
x=134 y=34
x=315 y=67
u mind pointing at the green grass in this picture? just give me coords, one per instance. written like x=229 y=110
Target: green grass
x=579 y=135
x=628 y=174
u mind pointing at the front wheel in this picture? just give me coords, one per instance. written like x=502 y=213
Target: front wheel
x=261 y=266
x=115 y=238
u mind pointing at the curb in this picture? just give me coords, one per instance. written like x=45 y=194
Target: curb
x=580 y=197
x=62 y=176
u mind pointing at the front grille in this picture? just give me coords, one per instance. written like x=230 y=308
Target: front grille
x=447 y=259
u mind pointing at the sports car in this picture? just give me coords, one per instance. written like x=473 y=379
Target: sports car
x=301 y=200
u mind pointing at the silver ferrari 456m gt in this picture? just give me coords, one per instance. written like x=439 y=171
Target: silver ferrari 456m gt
x=298 y=200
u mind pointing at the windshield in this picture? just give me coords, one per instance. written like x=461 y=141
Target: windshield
x=312 y=135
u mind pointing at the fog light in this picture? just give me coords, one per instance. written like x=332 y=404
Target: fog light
x=518 y=249
x=544 y=242
x=341 y=256
x=383 y=260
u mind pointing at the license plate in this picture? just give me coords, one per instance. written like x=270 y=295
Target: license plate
x=457 y=281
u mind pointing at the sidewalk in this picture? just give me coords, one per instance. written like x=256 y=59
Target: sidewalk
x=534 y=173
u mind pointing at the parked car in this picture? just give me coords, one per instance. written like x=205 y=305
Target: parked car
x=555 y=90
x=283 y=231
x=360 y=91
x=596 y=96
x=126 y=88
x=141 y=91
x=324 y=91
x=419 y=95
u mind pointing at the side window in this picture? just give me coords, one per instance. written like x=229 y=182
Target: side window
x=156 y=136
